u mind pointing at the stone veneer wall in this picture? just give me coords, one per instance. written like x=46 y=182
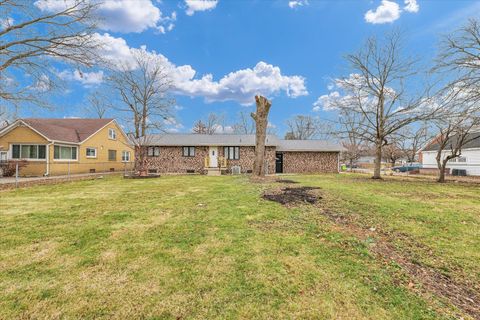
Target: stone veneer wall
x=247 y=158
x=171 y=160
x=310 y=162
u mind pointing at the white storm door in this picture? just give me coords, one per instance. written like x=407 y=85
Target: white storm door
x=213 y=154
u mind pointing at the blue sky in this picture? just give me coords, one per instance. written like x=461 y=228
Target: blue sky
x=301 y=45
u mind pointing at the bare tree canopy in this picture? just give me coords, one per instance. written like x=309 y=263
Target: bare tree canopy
x=412 y=138
x=244 y=124
x=376 y=91
x=215 y=123
x=97 y=105
x=32 y=39
x=459 y=63
x=143 y=89
x=304 y=127
x=460 y=56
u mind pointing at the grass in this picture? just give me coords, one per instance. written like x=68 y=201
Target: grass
x=210 y=247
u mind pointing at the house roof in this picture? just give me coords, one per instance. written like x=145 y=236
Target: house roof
x=238 y=140
x=65 y=130
x=194 y=140
x=308 y=145
x=473 y=141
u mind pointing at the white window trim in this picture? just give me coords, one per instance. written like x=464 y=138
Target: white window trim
x=64 y=160
x=91 y=157
x=129 y=156
x=10 y=152
x=114 y=134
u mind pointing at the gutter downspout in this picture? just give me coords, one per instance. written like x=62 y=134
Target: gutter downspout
x=47 y=173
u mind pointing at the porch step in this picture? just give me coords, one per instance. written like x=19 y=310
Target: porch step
x=214 y=172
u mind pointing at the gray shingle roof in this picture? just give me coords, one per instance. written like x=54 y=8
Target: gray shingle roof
x=473 y=141
x=308 y=145
x=195 y=140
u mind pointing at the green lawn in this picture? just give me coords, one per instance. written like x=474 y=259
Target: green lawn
x=183 y=247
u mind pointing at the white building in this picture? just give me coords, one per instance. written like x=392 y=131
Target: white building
x=469 y=159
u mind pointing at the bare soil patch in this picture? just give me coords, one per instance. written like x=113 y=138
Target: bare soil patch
x=292 y=196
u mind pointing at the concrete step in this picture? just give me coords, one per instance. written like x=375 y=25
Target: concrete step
x=214 y=172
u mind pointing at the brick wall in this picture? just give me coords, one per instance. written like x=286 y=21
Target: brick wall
x=171 y=160
x=247 y=158
x=310 y=162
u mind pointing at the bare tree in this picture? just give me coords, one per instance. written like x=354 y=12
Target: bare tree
x=214 y=123
x=97 y=105
x=392 y=152
x=143 y=89
x=350 y=137
x=454 y=134
x=460 y=58
x=376 y=90
x=261 y=122
x=32 y=39
x=304 y=127
x=244 y=124
x=411 y=139
x=199 y=127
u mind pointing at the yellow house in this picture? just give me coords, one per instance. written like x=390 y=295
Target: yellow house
x=63 y=146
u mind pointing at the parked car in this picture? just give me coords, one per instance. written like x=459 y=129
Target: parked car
x=407 y=168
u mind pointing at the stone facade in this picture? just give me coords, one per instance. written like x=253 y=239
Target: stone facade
x=171 y=160
x=310 y=162
x=247 y=158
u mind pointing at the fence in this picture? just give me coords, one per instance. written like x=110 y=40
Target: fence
x=20 y=169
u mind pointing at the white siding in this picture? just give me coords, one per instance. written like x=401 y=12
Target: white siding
x=472 y=165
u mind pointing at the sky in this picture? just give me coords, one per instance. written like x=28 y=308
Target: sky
x=223 y=52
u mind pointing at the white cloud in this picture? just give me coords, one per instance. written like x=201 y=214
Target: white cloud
x=411 y=6
x=5 y=23
x=121 y=15
x=43 y=84
x=240 y=86
x=88 y=79
x=386 y=12
x=297 y=3
x=199 y=5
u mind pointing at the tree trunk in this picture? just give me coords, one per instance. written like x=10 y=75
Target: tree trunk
x=351 y=165
x=442 y=165
x=378 y=161
x=261 y=121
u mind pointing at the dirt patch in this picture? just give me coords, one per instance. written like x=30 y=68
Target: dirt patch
x=292 y=196
x=423 y=279
x=286 y=181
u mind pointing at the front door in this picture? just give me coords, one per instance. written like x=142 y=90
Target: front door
x=3 y=156
x=213 y=154
x=279 y=162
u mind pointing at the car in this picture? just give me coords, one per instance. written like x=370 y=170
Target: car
x=406 y=168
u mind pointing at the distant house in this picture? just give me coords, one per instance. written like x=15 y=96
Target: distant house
x=61 y=146
x=469 y=159
x=201 y=153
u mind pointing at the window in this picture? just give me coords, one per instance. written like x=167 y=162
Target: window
x=153 y=151
x=125 y=156
x=112 y=134
x=29 y=151
x=462 y=159
x=231 y=153
x=112 y=155
x=91 y=153
x=64 y=153
x=189 y=151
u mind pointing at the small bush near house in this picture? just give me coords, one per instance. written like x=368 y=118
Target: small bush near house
x=8 y=169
